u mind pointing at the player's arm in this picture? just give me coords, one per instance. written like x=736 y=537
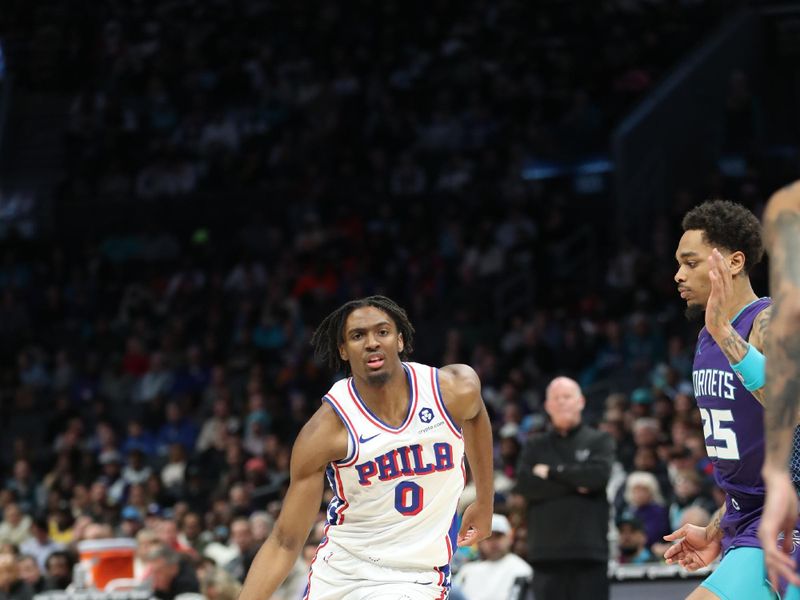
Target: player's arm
x=745 y=356
x=322 y=440
x=461 y=392
x=782 y=237
x=714 y=529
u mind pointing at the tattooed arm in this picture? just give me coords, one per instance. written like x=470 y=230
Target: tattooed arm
x=723 y=304
x=782 y=236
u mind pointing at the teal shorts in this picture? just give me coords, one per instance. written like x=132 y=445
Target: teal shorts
x=741 y=576
x=792 y=593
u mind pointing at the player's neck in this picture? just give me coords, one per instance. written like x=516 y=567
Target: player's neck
x=388 y=401
x=744 y=295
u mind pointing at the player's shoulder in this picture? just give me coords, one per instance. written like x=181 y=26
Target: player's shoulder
x=323 y=437
x=458 y=374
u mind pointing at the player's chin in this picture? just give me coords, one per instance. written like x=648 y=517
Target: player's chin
x=695 y=311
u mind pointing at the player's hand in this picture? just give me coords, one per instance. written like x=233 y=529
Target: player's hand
x=719 y=301
x=779 y=517
x=692 y=549
x=476 y=524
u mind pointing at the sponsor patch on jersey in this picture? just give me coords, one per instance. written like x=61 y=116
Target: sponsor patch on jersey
x=426 y=415
x=582 y=455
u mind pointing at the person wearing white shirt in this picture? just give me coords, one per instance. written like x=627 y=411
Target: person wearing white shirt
x=493 y=576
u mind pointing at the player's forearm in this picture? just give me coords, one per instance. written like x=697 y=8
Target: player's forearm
x=783 y=384
x=477 y=433
x=713 y=529
x=269 y=568
x=733 y=345
x=782 y=234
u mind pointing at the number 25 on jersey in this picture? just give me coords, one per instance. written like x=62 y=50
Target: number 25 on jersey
x=720 y=438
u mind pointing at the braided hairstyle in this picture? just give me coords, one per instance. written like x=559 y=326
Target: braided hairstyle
x=330 y=334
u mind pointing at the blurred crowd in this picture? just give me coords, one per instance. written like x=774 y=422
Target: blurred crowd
x=154 y=376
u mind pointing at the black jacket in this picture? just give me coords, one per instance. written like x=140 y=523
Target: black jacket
x=567 y=512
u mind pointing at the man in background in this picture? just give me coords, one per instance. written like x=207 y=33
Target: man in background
x=493 y=577
x=562 y=474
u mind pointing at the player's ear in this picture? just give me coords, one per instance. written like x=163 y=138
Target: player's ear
x=343 y=353
x=400 y=343
x=736 y=262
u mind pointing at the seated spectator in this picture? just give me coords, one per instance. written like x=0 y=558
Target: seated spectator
x=12 y=587
x=243 y=543
x=39 y=545
x=58 y=569
x=493 y=576
x=30 y=573
x=687 y=492
x=170 y=576
x=219 y=585
x=632 y=542
x=16 y=525
x=644 y=501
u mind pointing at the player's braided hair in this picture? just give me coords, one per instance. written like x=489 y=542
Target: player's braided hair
x=330 y=334
x=728 y=225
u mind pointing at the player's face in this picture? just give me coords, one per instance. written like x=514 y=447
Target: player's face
x=692 y=254
x=372 y=345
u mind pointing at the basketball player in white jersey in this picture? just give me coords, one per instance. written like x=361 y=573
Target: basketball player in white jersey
x=390 y=440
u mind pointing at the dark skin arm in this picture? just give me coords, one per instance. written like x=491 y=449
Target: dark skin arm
x=461 y=392
x=322 y=440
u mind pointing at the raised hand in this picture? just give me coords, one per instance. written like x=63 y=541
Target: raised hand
x=719 y=301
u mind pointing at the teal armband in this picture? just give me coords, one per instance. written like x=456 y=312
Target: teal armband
x=751 y=369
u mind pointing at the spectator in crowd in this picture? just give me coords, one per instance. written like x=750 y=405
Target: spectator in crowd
x=16 y=525
x=632 y=542
x=12 y=587
x=169 y=574
x=220 y=585
x=496 y=574
x=243 y=543
x=39 y=545
x=643 y=499
x=563 y=474
x=58 y=569
x=31 y=574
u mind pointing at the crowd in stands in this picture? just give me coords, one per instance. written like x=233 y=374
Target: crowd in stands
x=153 y=377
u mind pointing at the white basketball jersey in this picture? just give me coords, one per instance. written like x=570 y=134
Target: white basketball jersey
x=396 y=492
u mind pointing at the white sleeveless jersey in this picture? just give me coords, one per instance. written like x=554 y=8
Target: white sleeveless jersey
x=396 y=492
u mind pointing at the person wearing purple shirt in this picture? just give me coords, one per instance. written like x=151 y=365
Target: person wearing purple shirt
x=721 y=243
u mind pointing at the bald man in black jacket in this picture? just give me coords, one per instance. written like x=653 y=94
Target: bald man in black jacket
x=562 y=473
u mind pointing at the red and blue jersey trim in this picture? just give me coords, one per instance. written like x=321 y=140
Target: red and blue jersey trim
x=338 y=504
x=322 y=544
x=372 y=418
x=437 y=395
x=444 y=581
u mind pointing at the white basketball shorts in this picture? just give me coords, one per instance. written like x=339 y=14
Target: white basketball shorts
x=338 y=575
